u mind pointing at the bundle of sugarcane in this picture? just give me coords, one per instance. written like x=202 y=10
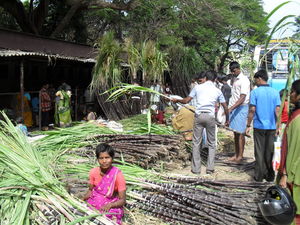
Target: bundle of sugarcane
x=143 y=150
x=81 y=135
x=198 y=203
x=30 y=193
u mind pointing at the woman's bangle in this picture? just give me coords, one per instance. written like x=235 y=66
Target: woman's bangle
x=284 y=174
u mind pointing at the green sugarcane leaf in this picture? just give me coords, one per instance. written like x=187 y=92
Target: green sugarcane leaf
x=23 y=216
x=275 y=28
x=129 y=88
x=274 y=11
x=62 y=220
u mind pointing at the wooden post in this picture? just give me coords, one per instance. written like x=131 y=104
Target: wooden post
x=40 y=111
x=22 y=87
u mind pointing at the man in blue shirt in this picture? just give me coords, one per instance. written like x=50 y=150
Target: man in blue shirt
x=206 y=95
x=264 y=110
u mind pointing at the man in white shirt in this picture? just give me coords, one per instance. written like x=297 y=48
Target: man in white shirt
x=238 y=109
x=206 y=95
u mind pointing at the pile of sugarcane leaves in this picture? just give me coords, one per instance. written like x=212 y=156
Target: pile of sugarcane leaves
x=30 y=192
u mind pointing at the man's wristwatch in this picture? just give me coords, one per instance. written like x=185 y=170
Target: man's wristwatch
x=248 y=125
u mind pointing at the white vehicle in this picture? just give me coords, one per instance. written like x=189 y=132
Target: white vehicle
x=275 y=60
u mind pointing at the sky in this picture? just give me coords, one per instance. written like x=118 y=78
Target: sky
x=292 y=8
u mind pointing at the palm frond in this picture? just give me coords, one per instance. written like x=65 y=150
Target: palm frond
x=153 y=61
x=125 y=89
x=107 y=70
x=279 y=25
x=133 y=57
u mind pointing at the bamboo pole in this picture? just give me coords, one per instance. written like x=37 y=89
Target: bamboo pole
x=76 y=104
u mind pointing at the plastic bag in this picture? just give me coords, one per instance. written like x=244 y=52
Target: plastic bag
x=113 y=125
x=221 y=118
x=277 y=154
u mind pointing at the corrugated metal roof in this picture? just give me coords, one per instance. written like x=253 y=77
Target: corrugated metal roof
x=15 y=53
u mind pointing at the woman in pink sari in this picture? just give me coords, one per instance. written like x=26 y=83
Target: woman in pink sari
x=107 y=186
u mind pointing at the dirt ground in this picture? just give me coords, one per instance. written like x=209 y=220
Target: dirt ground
x=225 y=170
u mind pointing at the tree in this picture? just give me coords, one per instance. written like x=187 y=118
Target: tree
x=7 y=21
x=32 y=15
x=153 y=20
x=215 y=27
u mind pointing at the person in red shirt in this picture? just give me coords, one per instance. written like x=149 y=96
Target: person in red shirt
x=45 y=106
x=107 y=186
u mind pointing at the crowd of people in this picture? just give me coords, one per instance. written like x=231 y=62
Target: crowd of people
x=55 y=106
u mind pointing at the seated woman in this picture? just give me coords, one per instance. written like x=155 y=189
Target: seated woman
x=290 y=151
x=107 y=186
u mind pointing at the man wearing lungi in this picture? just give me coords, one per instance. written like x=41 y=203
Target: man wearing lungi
x=238 y=109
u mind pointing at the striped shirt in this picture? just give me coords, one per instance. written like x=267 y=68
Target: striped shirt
x=45 y=101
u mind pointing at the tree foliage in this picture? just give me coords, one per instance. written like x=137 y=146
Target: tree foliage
x=213 y=27
x=153 y=20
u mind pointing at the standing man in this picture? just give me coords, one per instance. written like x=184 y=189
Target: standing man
x=264 y=107
x=206 y=95
x=226 y=89
x=238 y=109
